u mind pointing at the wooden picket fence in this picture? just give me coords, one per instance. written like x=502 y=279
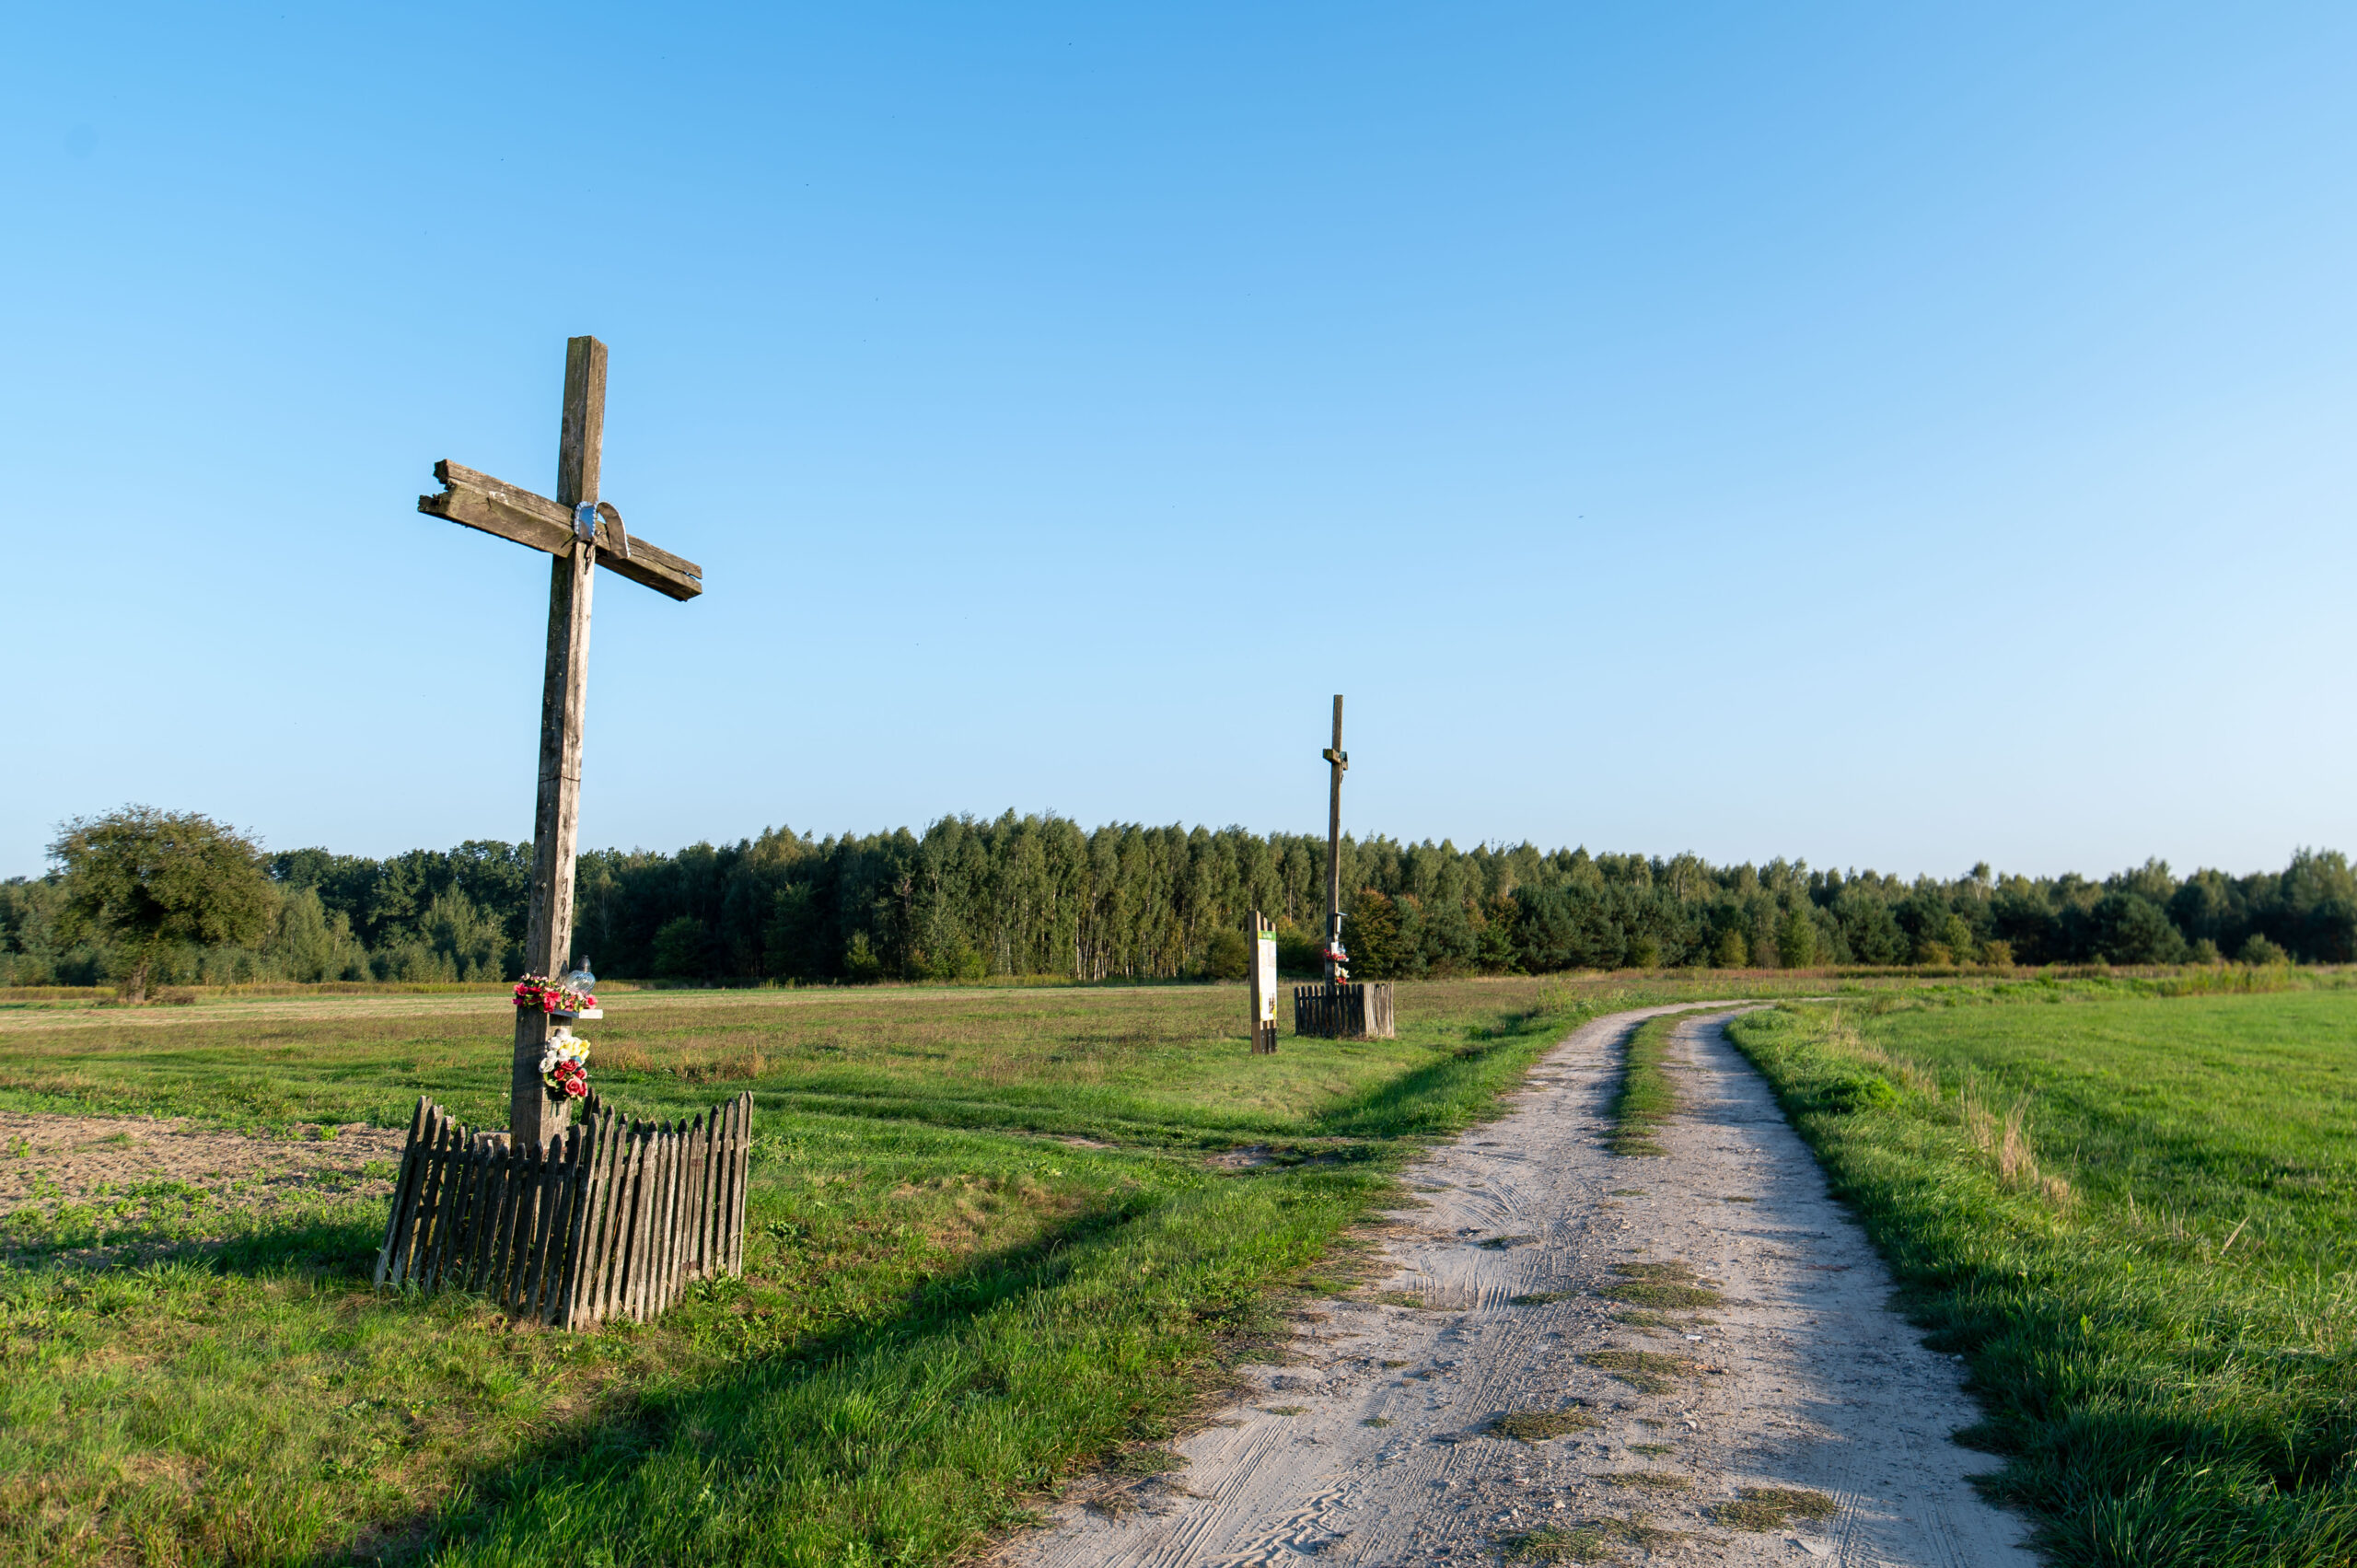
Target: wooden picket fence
x=1353 y=1009
x=611 y=1220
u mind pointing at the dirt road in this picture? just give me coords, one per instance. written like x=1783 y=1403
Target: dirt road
x=1704 y=1333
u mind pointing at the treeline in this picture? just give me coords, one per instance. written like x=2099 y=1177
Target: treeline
x=1041 y=896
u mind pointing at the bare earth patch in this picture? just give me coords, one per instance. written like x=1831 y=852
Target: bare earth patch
x=1753 y=1400
x=126 y=1162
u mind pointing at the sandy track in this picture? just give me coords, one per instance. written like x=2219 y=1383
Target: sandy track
x=1373 y=1445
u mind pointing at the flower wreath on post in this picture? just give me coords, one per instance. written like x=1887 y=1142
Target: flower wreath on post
x=538 y=992
x=565 y=1066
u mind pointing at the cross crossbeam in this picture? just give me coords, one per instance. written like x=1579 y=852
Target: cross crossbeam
x=513 y=513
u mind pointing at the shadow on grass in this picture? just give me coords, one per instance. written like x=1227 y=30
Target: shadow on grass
x=890 y=1440
x=1449 y=1092
x=339 y=1247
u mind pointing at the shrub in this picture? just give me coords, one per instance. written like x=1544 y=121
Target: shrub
x=1856 y=1091
x=1729 y=951
x=2259 y=950
x=958 y=961
x=861 y=966
x=1227 y=956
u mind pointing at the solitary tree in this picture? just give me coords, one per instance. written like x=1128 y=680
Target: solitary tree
x=143 y=877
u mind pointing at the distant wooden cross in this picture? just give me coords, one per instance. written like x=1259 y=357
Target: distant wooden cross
x=1339 y=761
x=582 y=532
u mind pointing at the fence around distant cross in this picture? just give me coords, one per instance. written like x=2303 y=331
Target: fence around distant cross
x=612 y=1219
x=1350 y=1009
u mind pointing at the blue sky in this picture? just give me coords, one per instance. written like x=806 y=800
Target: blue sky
x=1885 y=435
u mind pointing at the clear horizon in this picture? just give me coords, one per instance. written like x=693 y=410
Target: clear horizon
x=1881 y=440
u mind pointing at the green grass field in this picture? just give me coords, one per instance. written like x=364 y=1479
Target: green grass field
x=2133 y=1215
x=985 y=1247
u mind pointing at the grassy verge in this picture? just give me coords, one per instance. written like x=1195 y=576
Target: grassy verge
x=985 y=1247
x=2132 y=1215
x=1646 y=1096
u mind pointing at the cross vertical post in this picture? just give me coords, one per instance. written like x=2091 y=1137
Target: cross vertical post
x=534 y=1118
x=1339 y=760
x=582 y=533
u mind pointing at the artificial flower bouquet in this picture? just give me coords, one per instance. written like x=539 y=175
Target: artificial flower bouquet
x=538 y=991
x=564 y=1067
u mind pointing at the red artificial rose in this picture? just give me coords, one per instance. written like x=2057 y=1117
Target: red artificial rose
x=576 y=1088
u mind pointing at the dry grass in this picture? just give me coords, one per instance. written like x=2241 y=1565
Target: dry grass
x=1596 y=1540
x=1665 y=1286
x=1764 y=1508
x=1647 y=1371
x=1536 y=1426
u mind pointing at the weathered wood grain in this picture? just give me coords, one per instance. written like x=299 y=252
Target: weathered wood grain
x=450 y=1170
x=494 y=506
x=397 y=1225
x=569 y=1302
x=741 y=1162
x=572 y=1309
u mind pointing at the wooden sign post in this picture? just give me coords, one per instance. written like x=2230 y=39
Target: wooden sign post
x=1264 y=986
x=582 y=533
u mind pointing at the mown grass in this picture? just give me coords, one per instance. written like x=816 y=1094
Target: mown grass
x=984 y=1247
x=2132 y=1215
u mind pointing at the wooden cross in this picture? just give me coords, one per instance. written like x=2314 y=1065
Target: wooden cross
x=582 y=533
x=1338 y=763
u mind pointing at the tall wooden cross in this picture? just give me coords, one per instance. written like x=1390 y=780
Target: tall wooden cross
x=582 y=533
x=1338 y=763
